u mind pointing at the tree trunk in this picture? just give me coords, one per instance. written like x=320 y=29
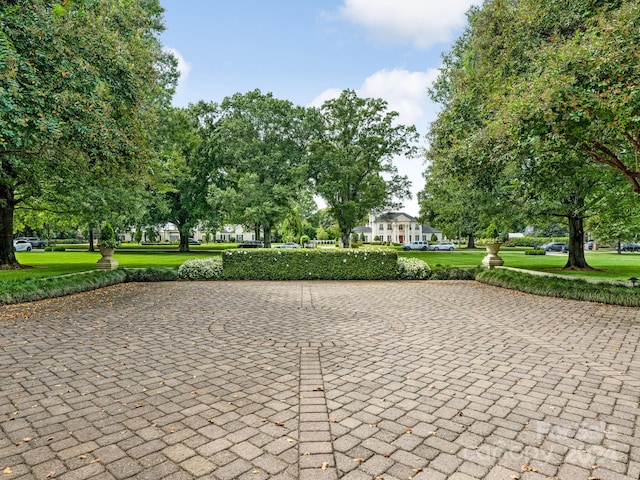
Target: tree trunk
x=184 y=240
x=576 y=260
x=92 y=248
x=267 y=236
x=472 y=241
x=346 y=239
x=7 y=204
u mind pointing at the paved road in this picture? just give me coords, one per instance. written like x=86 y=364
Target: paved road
x=318 y=380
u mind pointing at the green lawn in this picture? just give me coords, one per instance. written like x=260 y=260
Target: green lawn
x=49 y=264
x=610 y=266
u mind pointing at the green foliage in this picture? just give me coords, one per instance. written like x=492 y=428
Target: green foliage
x=535 y=252
x=562 y=287
x=451 y=273
x=316 y=264
x=351 y=158
x=412 y=268
x=108 y=236
x=38 y=289
x=304 y=239
x=533 y=241
x=55 y=248
x=151 y=274
x=82 y=83
x=201 y=269
x=261 y=142
x=492 y=231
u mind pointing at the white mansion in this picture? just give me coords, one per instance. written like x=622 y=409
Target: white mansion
x=397 y=227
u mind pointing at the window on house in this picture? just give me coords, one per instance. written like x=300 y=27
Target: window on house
x=389 y=226
x=401 y=227
x=381 y=227
x=388 y=238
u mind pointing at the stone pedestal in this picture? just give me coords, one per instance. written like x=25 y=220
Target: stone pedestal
x=492 y=259
x=107 y=262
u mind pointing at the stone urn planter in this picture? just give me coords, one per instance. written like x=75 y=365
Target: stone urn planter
x=107 y=262
x=492 y=259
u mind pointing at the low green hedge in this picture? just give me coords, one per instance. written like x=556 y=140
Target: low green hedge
x=40 y=288
x=562 y=287
x=55 y=248
x=535 y=252
x=317 y=264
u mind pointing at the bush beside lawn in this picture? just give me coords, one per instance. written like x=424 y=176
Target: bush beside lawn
x=572 y=288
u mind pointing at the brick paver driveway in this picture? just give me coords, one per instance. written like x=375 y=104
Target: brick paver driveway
x=318 y=380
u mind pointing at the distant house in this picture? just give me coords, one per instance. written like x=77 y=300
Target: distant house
x=396 y=227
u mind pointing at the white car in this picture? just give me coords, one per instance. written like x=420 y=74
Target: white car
x=21 y=246
x=444 y=246
x=417 y=245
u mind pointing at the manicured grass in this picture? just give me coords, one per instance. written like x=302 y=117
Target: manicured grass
x=50 y=264
x=608 y=266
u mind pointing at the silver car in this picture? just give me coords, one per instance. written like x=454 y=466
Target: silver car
x=444 y=246
x=21 y=246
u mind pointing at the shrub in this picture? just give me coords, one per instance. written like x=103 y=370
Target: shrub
x=201 y=269
x=320 y=264
x=452 y=273
x=304 y=239
x=152 y=274
x=108 y=236
x=41 y=288
x=535 y=252
x=55 y=248
x=412 y=268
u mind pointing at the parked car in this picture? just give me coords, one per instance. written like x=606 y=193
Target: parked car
x=34 y=241
x=21 y=246
x=444 y=246
x=417 y=245
x=251 y=244
x=588 y=245
x=631 y=247
x=287 y=245
x=555 y=247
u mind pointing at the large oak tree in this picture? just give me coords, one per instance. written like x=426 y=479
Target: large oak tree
x=352 y=156
x=80 y=85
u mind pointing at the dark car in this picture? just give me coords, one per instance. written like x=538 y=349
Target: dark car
x=251 y=244
x=631 y=247
x=555 y=247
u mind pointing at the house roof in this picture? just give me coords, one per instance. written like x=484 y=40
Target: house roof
x=391 y=216
x=430 y=229
x=362 y=229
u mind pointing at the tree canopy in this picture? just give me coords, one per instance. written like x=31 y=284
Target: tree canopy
x=352 y=155
x=80 y=86
x=533 y=93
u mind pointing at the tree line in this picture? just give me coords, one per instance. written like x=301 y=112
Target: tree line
x=87 y=132
x=540 y=120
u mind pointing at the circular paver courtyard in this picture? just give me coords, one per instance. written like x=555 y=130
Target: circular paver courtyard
x=318 y=380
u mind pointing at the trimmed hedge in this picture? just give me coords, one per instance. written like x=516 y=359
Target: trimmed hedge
x=575 y=289
x=316 y=264
x=535 y=252
x=41 y=288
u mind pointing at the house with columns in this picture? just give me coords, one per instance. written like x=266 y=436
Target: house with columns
x=396 y=227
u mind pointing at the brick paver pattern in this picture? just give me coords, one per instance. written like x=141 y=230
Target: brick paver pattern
x=318 y=380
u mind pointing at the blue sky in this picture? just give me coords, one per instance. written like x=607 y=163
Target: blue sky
x=307 y=51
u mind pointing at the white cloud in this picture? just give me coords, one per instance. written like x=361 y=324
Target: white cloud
x=184 y=68
x=421 y=23
x=404 y=91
